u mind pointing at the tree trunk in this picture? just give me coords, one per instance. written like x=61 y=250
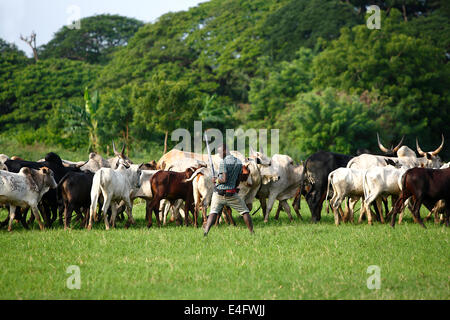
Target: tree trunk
x=165 y=142
x=405 y=17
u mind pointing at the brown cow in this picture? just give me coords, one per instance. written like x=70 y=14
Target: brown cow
x=425 y=186
x=172 y=186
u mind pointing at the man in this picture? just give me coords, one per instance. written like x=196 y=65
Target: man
x=225 y=190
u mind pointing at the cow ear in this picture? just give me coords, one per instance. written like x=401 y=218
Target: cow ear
x=26 y=170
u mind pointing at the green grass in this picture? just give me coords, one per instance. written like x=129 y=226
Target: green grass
x=282 y=260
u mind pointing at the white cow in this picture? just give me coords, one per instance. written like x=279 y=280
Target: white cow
x=381 y=182
x=203 y=188
x=25 y=190
x=406 y=157
x=289 y=178
x=346 y=182
x=115 y=186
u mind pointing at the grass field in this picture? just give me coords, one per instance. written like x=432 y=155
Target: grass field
x=282 y=260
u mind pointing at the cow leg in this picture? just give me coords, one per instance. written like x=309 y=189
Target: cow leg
x=296 y=202
x=345 y=216
x=263 y=206
x=12 y=214
x=37 y=217
x=271 y=201
x=153 y=207
x=147 y=210
x=196 y=210
x=351 y=209
x=204 y=209
x=230 y=215
x=60 y=212
x=68 y=209
x=93 y=211
x=286 y=208
x=219 y=216
x=106 y=206
x=408 y=204
x=397 y=206
x=416 y=212
x=379 y=202
x=447 y=213
x=23 y=217
x=335 y=205
x=386 y=209
x=278 y=211
x=45 y=215
x=296 y=206
x=114 y=211
x=129 y=211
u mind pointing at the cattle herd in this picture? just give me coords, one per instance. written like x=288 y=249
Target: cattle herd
x=180 y=184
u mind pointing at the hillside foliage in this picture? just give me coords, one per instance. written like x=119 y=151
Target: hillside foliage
x=310 y=68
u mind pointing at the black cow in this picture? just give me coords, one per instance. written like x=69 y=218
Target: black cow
x=74 y=190
x=317 y=168
x=49 y=204
x=425 y=186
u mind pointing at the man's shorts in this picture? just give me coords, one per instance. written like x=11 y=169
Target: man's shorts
x=235 y=202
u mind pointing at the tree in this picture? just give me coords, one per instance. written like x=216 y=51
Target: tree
x=94 y=42
x=39 y=87
x=276 y=86
x=217 y=114
x=11 y=60
x=31 y=41
x=301 y=23
x=410 y=74
x=327 y=120
x=163 y=106
x=116 y=115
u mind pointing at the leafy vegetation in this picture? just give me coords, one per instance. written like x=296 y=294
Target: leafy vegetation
x=309 y=68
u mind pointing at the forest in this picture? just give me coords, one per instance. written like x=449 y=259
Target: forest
x=310 y=68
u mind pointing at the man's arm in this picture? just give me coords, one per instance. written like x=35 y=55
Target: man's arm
x=222 y=178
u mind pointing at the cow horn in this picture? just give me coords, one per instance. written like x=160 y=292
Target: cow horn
x=382 y=148
x=399 y=145
x=439 y=149
x=418 y=148
x=114 y=148
x=123 y=149
x=78 y=166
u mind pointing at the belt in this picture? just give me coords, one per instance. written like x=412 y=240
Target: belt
x=229 y=192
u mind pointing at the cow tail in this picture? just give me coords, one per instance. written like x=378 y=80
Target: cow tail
x=298 y=200
x=330 y=176
x=95 y=192
x=58 y=188
x=198 y=171
x=365 y=186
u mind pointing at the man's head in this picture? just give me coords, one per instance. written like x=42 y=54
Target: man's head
x=222 y=150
